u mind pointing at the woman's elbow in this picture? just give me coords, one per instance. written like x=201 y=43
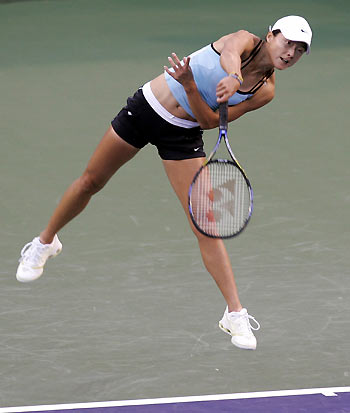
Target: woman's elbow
x=209 y=123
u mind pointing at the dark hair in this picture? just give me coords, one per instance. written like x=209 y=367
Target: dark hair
x=275 y=33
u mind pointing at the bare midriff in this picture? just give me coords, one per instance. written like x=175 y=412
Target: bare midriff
x=164 y=96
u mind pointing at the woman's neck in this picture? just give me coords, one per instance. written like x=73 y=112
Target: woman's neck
x=262 y=62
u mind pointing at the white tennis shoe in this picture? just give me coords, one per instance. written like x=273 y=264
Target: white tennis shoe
x=33 y=258
x=237 y=324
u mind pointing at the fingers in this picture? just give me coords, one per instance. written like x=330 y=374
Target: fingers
x=173 y=65
x=222 y=98
x=176 y=64
x=225 y=89
x=186 y=61
x=222 y=93
x=175 y=59
x=167 y=70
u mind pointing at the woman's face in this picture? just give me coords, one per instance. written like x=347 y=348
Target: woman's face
x=283 y=52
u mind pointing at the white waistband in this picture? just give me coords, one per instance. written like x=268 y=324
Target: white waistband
x=162 y=112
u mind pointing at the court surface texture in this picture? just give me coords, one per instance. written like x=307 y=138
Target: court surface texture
x=125 y=319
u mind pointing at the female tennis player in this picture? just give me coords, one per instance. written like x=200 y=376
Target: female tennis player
x=171 y=112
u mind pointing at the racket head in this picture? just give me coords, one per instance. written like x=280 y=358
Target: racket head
x=220 y=199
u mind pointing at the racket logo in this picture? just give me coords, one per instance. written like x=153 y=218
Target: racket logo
x=220 y=199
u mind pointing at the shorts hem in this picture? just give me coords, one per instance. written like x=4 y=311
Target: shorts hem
x=180 y=158
x=129 y=141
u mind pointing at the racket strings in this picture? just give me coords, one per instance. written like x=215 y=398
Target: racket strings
x=220 y=198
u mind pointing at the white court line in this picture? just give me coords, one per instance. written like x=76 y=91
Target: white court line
x=326 y=391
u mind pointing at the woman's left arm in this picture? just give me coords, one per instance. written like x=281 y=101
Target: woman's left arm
x=205 y=116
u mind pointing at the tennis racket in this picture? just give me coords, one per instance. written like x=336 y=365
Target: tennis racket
x=220 y=198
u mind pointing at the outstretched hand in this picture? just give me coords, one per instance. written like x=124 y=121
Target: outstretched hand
x=181 y=72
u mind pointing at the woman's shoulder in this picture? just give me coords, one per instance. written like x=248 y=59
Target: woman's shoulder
x=239 y=38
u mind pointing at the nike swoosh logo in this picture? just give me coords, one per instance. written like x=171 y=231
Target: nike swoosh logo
x=196 y=149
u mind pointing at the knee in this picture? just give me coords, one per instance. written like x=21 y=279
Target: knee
x=200 y=237
x=208 y=245
x=204 y=240
x=89 y=184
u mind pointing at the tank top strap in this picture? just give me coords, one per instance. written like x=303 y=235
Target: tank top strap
x=255 y=88
x=253 y=53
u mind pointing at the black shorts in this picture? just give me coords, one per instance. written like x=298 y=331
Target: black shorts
x=138 y=124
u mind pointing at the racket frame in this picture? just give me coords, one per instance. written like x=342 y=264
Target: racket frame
x=223 y=126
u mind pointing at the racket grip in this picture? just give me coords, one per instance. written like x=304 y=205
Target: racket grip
x=223 y=115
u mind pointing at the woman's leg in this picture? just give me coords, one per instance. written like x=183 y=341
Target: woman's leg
x=214 y=254
x=111 y=153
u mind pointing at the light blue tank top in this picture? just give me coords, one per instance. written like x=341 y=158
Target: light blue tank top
x=207 y=73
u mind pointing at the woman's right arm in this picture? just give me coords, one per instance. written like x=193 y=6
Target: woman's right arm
x=205 y=116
